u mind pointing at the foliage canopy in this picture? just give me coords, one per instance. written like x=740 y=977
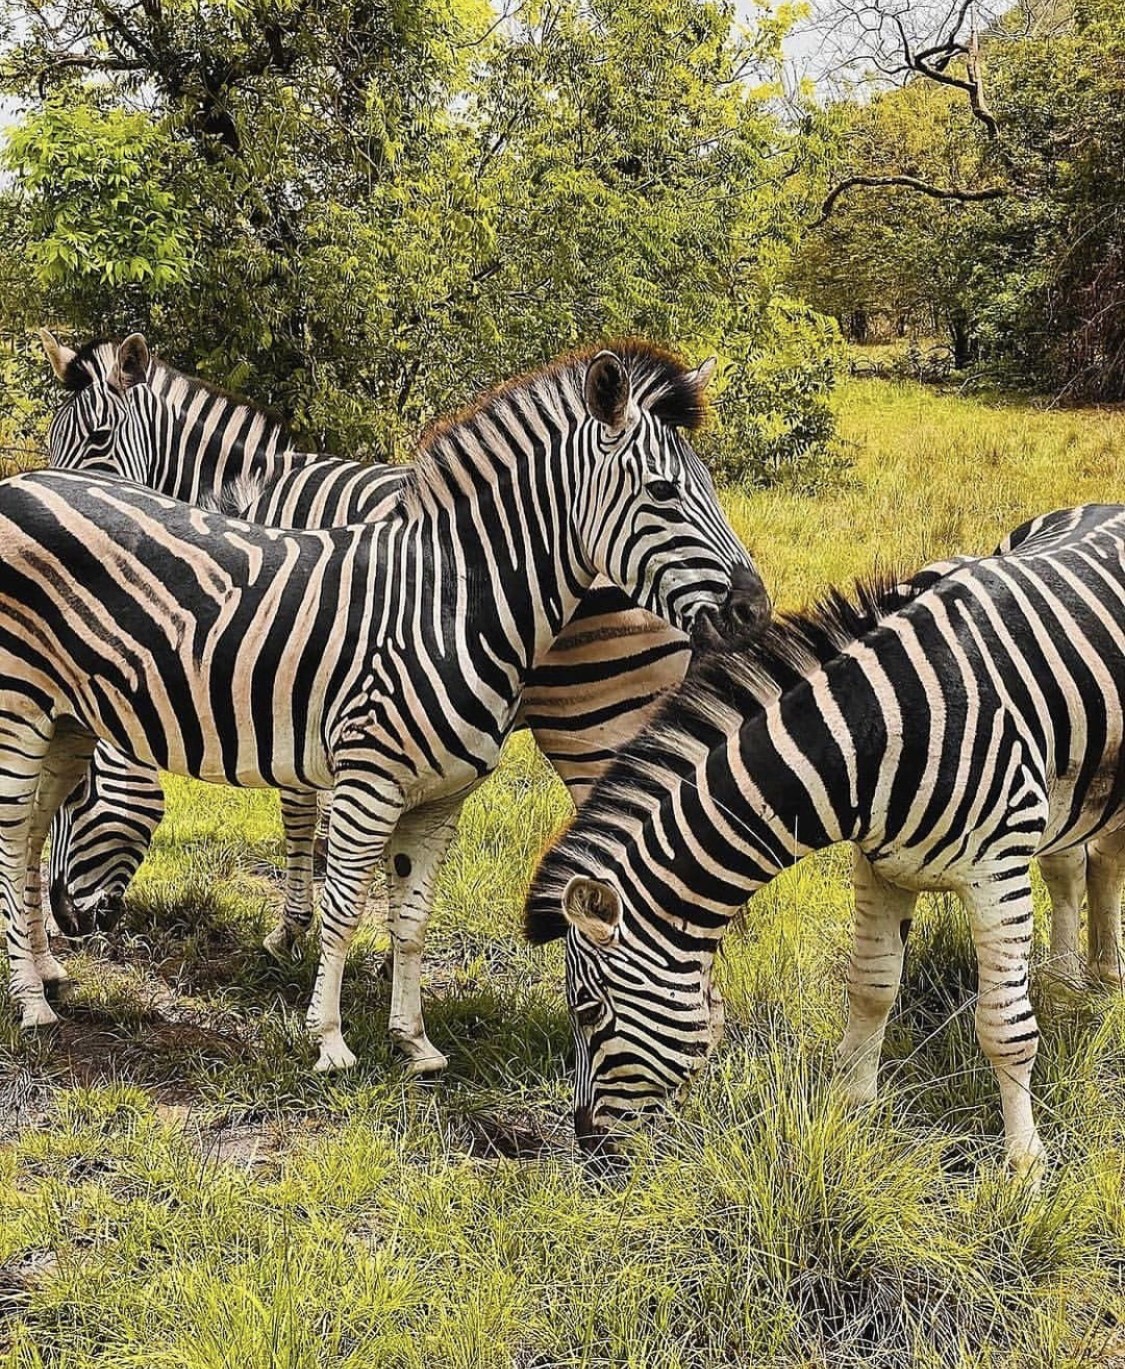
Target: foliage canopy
x=362 y=214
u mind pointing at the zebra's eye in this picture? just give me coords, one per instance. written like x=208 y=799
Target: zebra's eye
x=587 y=1014
x=664 y=490
x=100 y=437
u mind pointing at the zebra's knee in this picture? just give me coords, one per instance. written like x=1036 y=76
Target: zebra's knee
x=1011 y=1043
x=871 y=998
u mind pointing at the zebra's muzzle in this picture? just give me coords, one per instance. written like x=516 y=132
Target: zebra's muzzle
x=600 y=1151
x=740 y=620
x=78 y=921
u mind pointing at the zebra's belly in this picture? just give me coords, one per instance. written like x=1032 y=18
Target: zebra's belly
x=909 y=868
x=220 y=751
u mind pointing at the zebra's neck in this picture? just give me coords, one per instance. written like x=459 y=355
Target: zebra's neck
x=712 y=815
x=214 y=439
x=494 y=497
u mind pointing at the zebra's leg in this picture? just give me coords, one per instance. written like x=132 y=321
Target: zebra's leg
x=1064 y=874
x=64 y=765
x=1105 y=882
x=320 y=842
x=364 y=814
x=883 y=914
x=414 y=856
x=23 y=746
x=56 y=865
x=1001 y=916
x=299 y=818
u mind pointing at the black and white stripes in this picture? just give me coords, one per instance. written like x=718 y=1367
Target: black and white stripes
x=384 y=661
x=951 y=738
x=590 y=691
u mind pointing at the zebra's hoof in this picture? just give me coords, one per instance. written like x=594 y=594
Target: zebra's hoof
x=37 y=1014
x=283 y=945
x=59 y=989
x=334 y=1055
x=1109 y=973
x=857 y=1087
x=1028 y=1165
x=51 y=972
x=427 y=1065
x=1067 y=972
x=422 y=1056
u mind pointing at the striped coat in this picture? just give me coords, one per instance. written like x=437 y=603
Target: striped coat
x=384 y=661
x=588 y=693
x=951 y=738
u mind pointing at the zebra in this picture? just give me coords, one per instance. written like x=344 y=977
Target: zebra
x=383 y=661
x=598 y=685
x=588 y=694
x=950 y=736
x=128 y=414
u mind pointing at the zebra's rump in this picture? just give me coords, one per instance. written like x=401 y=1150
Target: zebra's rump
x=189 y=640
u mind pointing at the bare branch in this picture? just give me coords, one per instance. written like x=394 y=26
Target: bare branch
x=935 y=192
x=83 y=62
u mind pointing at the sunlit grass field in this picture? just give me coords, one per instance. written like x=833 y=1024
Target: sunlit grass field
x=177 y=1188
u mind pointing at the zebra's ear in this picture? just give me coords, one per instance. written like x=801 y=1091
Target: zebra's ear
x=593 y=908
x=701 y=376
x=131 y=366
x=608 y=390
x=59 y=356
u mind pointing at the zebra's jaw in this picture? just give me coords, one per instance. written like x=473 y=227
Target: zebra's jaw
x=79 y=919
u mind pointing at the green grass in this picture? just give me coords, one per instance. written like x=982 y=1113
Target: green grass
x=177 y=1188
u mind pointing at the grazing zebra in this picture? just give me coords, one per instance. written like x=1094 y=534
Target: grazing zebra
x=592 y=692
x=384 y=661
x=589 y=693
x=951 y=737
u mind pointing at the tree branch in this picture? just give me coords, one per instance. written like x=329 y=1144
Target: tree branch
x=935 y=192
x=83 y=62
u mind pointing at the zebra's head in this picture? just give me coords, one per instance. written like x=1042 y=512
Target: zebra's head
x=111 y=419
x=648 y=517
x=645 y=1012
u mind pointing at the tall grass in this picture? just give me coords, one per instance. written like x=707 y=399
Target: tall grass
x=177 y=1188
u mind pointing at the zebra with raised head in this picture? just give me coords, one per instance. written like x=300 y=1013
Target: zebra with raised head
x=128 y=414
x=587 y=694
x=951 y=738
x=383 y=661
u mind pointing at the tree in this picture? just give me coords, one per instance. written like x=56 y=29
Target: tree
x=363 y=215
x=891 y=259
x=1032 y=283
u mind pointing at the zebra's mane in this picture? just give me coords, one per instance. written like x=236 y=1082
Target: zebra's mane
x=95 y=360
x=722 y=691
x=662 y=383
